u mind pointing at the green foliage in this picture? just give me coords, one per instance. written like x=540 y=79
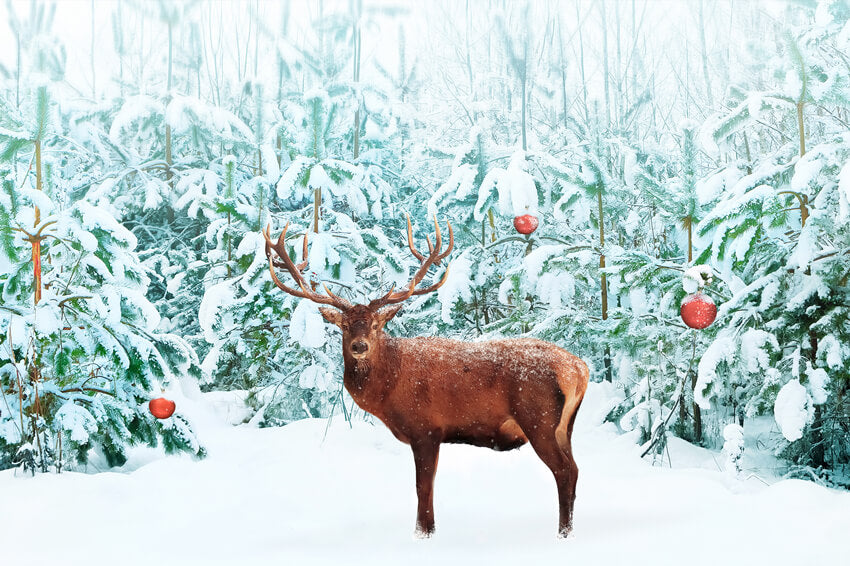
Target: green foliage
x=154 y=264
x=91 y=391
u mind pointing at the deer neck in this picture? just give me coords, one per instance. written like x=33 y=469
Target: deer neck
x=367 y=379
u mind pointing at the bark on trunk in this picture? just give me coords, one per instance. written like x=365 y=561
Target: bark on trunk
x=604 y=283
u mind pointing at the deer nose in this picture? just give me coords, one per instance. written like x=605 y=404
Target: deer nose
x=359 y=347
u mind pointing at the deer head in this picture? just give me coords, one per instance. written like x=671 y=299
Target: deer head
x=361 y=325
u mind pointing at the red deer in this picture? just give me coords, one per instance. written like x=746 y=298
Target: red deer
x=499 y=393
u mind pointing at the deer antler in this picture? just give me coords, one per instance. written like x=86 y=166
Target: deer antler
x=434 y=257
x=304 y=290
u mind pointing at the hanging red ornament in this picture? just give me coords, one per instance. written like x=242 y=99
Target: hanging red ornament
x=161 y=407
x=525 y=224
x=698 y=310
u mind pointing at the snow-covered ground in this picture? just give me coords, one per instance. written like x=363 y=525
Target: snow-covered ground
x=292 y=496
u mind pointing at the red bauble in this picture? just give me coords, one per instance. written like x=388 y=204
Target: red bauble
x=525 y=224
x=161 y=407
x=698 y=311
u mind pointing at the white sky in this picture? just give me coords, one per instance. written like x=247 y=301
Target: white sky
x=433 y=31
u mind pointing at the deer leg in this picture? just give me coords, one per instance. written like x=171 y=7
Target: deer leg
x=567 y=495
x=558 y=459
x=425 y=456
x=567 y=450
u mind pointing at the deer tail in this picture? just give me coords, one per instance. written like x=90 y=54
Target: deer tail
x=573 y=384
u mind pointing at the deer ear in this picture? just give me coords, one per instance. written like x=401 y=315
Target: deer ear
x=331 y=315
x=387 y=313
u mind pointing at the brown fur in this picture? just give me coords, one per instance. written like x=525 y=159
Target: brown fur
x=499 y=394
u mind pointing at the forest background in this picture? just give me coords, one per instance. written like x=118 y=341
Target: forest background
x=143 y=146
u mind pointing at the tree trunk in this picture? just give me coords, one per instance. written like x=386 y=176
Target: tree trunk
x=120 y=26
x=317 y=204
x=801 y=127
x=697 y=412
x=262 y=195
x=694 y=407
x=618 y=62
x=18 y=71
x=469 y=62
x=605 y=63
x=607 y=358
x=704 y=55
x=524 y=104
x=581 y=62
x=36 y=242
x=357 y=46
x=229 y=251
x=563 y=64
x=818 y=452
x=168 y=158
x=93 y=89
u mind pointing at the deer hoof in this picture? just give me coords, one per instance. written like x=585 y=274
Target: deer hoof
x=422 y=534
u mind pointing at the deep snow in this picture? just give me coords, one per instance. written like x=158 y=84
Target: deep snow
x=286 y=496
